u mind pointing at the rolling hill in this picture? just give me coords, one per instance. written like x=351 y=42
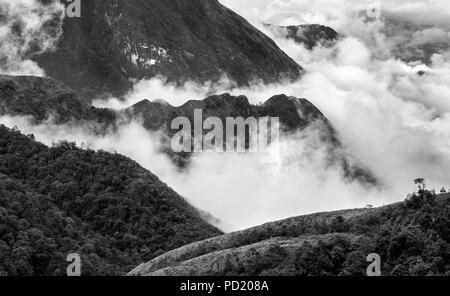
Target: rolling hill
x=411 y=237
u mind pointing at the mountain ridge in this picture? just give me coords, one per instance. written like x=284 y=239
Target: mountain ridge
x=29 y=96
x=117 y=41
x=331 y=243
x=310 y=35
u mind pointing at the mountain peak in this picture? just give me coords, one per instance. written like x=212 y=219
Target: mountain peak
x=310 y=35
x=199 y=40
x=162 y=102
x=295 y=112
x=227 y=99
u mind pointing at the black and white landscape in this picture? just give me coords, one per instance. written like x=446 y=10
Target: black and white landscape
x=90 y=182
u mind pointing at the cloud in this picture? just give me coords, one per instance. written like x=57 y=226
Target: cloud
x=158 y=88
x=392 y=24
x=339 y=13
x=379 y=119
x=238 y=189
x=27 y=27
x=422 y=12
x=387 y=115
x=430 y=35
x=392 y=115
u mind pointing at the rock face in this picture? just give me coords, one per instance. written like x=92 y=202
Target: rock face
x=309 y=35
x=199 y=40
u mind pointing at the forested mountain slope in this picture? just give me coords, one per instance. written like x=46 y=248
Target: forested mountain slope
x=61 y=200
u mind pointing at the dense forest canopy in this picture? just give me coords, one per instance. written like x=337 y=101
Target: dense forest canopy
x=60 y=200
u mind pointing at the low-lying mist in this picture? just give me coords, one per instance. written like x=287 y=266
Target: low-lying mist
x=392 y=115
x=239 y=189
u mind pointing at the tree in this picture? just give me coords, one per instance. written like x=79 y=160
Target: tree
x=421 y=183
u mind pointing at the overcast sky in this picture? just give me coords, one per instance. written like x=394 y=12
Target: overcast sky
x=330 y=12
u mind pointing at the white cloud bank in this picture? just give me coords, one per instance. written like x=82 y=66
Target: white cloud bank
x=27 y=27
x=394 y=120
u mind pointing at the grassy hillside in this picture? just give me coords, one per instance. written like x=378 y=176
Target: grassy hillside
x=412 y=238
x=43 y=99
x=61 y=200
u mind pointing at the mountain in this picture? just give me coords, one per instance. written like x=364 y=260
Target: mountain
x=309 y=35
x=45 y=98
x=199 y=40
x=42 y=98
x=105 y=207
x=296 y=115
x=412 y=238
x=416 y=42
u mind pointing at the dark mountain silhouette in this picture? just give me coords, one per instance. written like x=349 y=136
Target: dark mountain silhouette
x=105 y=207
x=412 y=238
x=295 y=114
x=44 y=98
x=200 y=40
x=412 y=42
x=309 y=35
